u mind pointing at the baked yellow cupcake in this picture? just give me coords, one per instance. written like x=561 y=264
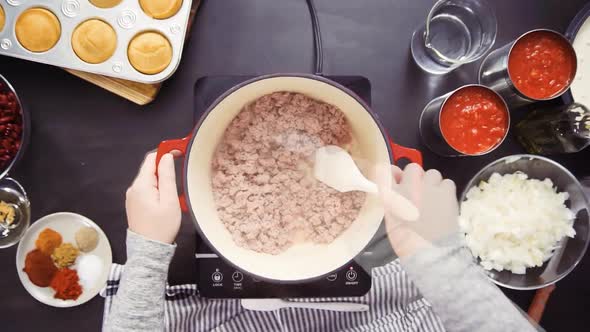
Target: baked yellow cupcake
x=149 y=52
x=2 y=18
x=105 y=3
x=160 y=9
x=94 y=41
x=37 y=29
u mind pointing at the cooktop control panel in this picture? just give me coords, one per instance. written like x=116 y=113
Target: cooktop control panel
x=218 y=279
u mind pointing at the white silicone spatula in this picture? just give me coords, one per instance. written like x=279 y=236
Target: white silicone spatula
x=276 y=304
x=336 y=168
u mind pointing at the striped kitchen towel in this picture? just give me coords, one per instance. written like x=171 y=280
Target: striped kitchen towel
x=395 y=303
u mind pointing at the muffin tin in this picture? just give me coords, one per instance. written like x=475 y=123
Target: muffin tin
x=127 y=19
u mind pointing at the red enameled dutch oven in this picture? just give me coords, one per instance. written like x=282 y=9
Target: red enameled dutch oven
x=301 y=262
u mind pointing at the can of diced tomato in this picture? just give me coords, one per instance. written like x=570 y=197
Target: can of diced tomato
x=539 y=65
x=472 y=120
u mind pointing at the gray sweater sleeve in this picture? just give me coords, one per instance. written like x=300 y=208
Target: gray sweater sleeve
x=459 y=291
x=139 y=303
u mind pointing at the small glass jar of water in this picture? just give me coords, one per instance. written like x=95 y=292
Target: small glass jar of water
x=456 y=32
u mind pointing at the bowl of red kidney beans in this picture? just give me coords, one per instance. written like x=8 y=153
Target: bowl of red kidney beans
x=14 y=127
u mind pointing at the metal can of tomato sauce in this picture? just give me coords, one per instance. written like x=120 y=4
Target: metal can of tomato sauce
x=539 y=65
x=472 y=120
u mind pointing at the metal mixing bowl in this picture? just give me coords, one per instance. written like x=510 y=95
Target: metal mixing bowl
x=26 y=130
x=571 y=250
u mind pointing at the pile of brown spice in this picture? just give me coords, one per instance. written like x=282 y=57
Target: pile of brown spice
x=87 y=239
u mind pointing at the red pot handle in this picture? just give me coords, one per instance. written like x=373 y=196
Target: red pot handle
x=539 y=302
x=400 y=152
x=169 y=146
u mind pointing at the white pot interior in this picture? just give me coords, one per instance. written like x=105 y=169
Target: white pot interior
x=301 y=261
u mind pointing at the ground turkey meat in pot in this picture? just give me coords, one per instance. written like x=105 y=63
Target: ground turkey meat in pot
x=262 y=180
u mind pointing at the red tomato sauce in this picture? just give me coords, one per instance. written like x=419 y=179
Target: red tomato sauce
x=474 y=120
x=541 y=65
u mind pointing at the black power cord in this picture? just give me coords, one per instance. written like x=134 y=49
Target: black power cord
x=317 y=38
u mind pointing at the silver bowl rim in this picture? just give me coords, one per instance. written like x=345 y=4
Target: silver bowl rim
x=530 y=157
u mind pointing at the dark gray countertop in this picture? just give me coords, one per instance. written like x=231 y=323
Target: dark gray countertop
x=88 y=143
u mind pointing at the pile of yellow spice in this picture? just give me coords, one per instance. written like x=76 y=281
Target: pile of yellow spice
x=7 y=213
x=65 y=255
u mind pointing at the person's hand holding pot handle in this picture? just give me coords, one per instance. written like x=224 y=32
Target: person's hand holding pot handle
x=153 y=209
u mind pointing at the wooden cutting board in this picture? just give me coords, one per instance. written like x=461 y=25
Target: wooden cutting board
x=139 y=93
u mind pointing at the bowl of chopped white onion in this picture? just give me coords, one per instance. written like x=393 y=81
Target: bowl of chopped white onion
x=526 y=220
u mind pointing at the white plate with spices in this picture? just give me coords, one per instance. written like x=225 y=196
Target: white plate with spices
x=98 y=267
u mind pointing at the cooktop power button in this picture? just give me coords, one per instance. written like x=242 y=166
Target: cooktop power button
x=351 y=275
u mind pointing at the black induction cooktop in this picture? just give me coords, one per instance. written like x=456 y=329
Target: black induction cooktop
x=219 y=279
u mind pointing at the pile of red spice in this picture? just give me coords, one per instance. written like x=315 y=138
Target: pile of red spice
x=11 y=126
x=66 y=286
